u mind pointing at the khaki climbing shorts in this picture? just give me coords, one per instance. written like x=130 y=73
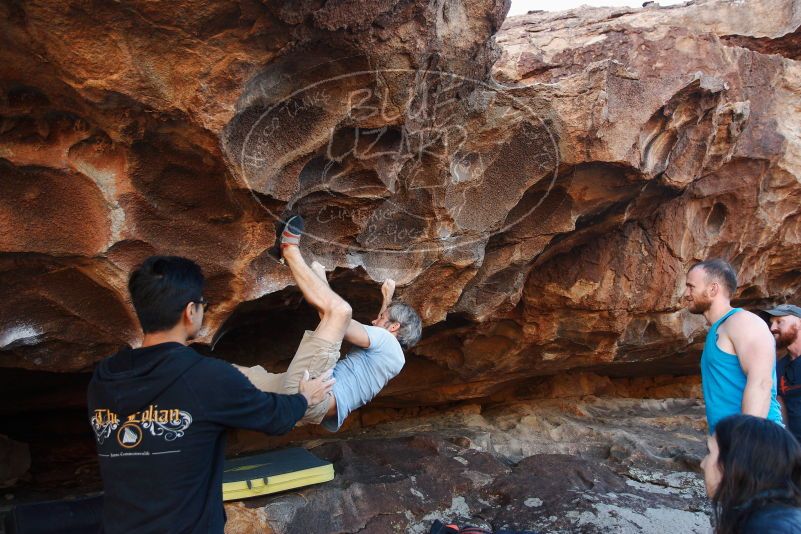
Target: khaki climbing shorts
x=315 y=354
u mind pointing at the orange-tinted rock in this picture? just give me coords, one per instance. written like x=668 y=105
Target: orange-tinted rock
x=46 y=211
x=243 y=520
x=537 y=189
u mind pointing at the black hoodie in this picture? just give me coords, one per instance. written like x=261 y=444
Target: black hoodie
x=159 y=415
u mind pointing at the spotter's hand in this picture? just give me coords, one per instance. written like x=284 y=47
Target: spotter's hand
x=315 y=389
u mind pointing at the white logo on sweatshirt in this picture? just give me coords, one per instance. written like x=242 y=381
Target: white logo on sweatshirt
x=167 y=424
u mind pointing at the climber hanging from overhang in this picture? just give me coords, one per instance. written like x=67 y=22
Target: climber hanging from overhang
x=377 y=354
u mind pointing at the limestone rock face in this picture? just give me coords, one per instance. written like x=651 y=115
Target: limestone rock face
x=538 y=186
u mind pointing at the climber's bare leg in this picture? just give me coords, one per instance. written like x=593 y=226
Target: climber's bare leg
x=355 y=333
x=335 y=312
x=319 y=270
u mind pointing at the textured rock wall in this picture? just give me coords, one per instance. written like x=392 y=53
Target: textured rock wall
x=538 y=189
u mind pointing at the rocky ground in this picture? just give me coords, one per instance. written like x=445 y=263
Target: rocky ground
x=598 y=464
x=577 y=453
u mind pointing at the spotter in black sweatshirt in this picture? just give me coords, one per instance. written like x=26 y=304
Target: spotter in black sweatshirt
x=159 y=415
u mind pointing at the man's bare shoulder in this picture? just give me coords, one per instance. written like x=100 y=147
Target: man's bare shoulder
x=746 y=317
x=745 y=323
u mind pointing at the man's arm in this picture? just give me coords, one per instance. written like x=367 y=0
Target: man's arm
x=229 y=399
x=756 y=350
x=387 y=292
x=356 y=333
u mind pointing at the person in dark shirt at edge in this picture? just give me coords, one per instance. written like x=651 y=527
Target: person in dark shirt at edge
x=785 y=323
x=752 y=474
x=160 y=412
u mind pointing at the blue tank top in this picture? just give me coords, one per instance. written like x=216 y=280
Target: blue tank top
x=723 y=380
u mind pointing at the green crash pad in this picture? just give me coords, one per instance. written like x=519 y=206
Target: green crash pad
x=272 y=471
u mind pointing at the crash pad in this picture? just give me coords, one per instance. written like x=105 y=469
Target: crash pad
x=272 y=471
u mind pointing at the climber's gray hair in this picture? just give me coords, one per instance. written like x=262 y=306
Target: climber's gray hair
x=411 y=327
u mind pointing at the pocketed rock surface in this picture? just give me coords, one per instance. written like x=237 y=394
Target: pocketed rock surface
x=537 y=185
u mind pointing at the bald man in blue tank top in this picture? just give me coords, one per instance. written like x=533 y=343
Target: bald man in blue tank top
x=738 y=365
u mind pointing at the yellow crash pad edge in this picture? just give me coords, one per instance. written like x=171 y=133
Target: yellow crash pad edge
x=261 y=486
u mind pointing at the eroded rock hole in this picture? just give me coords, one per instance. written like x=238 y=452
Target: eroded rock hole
x=716 y=218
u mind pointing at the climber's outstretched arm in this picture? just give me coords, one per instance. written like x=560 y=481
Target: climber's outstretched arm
x=355 y=333
x=387 y=292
